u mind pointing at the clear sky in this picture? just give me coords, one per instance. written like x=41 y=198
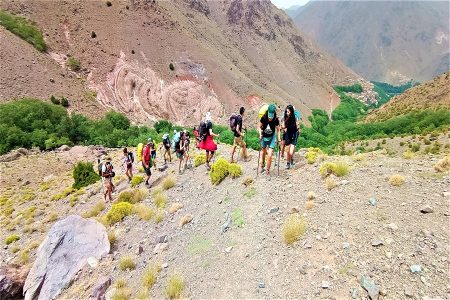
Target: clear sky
x=288 y=3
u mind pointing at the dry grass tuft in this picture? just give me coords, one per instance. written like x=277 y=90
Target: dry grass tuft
x=358 y=157
x=96 y=210
x=150 y=275
x=294 y=227
x=247 y=181
x=309 y=204
x=144 y=212
x=112 y=237
x=174 y=287
x=397 y=180
x=121 y=294
x=175 y=207
x=159 y=216
x=330 y=183
x=160 y=200
x=168 y=182
x=157 y=190
x=120 y=283
x=185 y=219
x=338 y=168
x=443 y=165
x=311 y=195
x=408 y=154
x=127 y=263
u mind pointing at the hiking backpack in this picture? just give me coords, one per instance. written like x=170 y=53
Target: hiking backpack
x=262 y=111
x=99 y=168
x=202 y=129
x=176 y=140
x=166 y=140
x=233 y=122
x=131 y=156
x=139 y=151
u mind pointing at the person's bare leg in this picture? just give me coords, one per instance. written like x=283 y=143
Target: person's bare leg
x=269 y=159
x=263 y=159
x=232 y=153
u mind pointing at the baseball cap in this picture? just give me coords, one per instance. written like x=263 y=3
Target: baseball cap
x=271 y=111
x=149 y=140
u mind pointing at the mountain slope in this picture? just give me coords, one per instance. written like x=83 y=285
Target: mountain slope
x=433 y=94
x=389 y=41
x=223 y=55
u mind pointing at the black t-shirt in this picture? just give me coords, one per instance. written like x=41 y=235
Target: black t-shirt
x=238 y=123
x=268 y=127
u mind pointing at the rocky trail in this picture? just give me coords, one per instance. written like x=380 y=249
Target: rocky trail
x=363 y=237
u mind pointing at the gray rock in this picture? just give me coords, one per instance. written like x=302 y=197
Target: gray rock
x=65 y=250
x=64 y=148
x=345 y=245
x=12 y=279
x=392 y=226
x=372 y=201
x=377 y=243
x=139 y=250
x=415 y=269
x=228 y=249
x=409 y=292
x=426 y=209
x=99 y=290
x=261 y=284
x=273 y=210
x=370 y=287
x=354 y=293
x=226 y=225
x=325 y=284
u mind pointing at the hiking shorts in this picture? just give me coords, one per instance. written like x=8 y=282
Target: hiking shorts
x=268 y=141
x=180 y=154
x=148 y=170
x=153 y=154
x=290 y=138
x=238 y=141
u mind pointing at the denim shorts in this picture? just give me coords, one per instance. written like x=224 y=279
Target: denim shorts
x=268 y=141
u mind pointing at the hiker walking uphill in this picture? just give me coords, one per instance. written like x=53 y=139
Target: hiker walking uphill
x=290 y=128
x=181 y=150
x=128 y=161
x=269 y=134
x=206 y=136
x=147 y=160
x=236 y=128
x=166 y=145
x=107 y=176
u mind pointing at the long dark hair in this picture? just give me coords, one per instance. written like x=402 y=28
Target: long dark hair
x=289 y=120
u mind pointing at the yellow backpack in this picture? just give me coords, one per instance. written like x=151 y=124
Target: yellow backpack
x=139 y=151
x=262 y=111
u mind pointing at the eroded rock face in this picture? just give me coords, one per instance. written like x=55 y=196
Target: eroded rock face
x=12 y=279
x=137 y=91
x=65 y=250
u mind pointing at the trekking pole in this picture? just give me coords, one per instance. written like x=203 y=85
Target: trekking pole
x=259 y=156
x=279 y=154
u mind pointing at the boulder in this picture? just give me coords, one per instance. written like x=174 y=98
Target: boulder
x=12 y=279
x=99 y=290
x=65 y=250
x=64 y=148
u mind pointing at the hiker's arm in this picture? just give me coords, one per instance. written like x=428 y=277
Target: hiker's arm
x=260 y=130
x=238 y=129
x=278 y=132
x=212 y=133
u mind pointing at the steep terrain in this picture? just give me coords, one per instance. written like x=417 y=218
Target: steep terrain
x=388 y=41
x=364 y=226
x=223 y=54
x=433 y=94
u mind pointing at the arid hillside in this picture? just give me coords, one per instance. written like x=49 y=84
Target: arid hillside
x=167 y=59
x=388 y=41
x=433 y=94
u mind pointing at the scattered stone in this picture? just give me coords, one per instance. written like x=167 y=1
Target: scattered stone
x=162 y=239
x=409 y=292
x=262 y=284
x=307 y=245
x=65 y=250
x=52 y=80
x=416 y=269
x=446 y=194
x=175 y=207
x=345 y=245
x=325 y=284
x=228 y=249
x=160 y=247
x=388 y=254
x=426 y=209
x=372 y=201
x=392 y=226
x=370 y=287
x=12 y=280
x=295 y=210
x=92 y=261
x=273 y=210
x=377 y=243
x=162 y=168
x=139 y=250
x=227 y=223
x=64 y=148
x=354 y=293
x=164 y=265
x=99 y=290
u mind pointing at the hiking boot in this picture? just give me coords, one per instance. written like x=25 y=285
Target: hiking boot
x=292 y=162
x=268 y=175
x=180 y=172
x=208 y=167
x=288 y=166
x=232 y=161
x=247 y=159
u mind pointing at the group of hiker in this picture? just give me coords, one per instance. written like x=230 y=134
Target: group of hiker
x=272 y=131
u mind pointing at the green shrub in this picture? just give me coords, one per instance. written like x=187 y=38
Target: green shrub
x=11 y=239
x=219 y=170
x=84 y=175
x=136 y=180
x=54 y=100
x=200 y=159
x=355 y=88
x=64 y=102
x=311 y=155
x=73 y=64
x=234 y=170
x=24 y=29
x=118 y=211
x=339 y=169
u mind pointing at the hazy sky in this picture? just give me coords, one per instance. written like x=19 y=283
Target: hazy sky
x=288 y=3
